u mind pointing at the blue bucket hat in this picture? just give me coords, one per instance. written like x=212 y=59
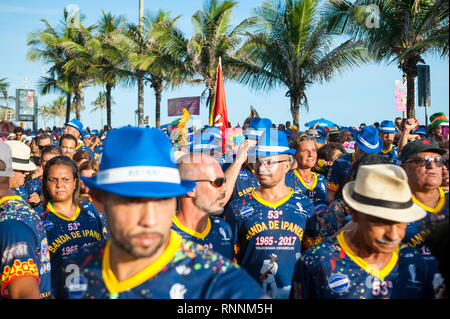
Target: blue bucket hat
x=272 y=142
x=387 y=127
x=256 y=128
x=85 y=135
x=368 y=140
x=421 y=131
x=76 y=124
x=145 y=169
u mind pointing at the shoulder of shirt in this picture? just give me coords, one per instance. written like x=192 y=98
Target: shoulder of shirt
x=220 y=221
x=195 y=251
x=239 y=201
x=325 y=248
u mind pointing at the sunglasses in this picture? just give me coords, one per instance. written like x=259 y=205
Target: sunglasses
x=217 y=182
x=425 y=161
x=22 y=172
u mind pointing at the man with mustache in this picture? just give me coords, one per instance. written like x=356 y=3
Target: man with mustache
x=387 y=132
x=366 y=261
x=423 y=162
x=196 y=219
x=143 y=258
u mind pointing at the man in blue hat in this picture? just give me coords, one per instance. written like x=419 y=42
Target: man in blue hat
x=74 y=127
x=367 y=141
x=240 y=174
x=387 y=132
x=143 y=258
x=272 y=218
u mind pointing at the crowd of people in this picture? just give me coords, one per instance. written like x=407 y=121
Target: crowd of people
x=273 y=212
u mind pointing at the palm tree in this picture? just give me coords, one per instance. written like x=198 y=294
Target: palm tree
x=292 y=47
x=214 y=37
x=101 y=103
x=161 y=67
x=109 y=72
x=400 y=31
x=67 y=71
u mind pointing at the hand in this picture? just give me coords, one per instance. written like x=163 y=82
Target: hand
x=241 y=155
x=411 y=124
x=34 y=198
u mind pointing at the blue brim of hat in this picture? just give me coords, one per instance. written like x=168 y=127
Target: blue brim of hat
x=142 y=189
x=74 y=126
x=254 y=152
x=369 y=150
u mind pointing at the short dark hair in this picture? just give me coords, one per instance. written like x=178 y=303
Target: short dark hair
x=326 y=152
x=50 y=149
x=43 y=136
x=68 y=137
x=66 y=161
x=18 y=129
x=80 y=155
x=89 y=164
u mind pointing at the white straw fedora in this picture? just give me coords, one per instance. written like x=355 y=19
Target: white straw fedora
x=382 y=191
x=20 y=156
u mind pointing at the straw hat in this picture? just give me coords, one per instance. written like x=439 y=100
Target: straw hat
x=20 y=153
x=382 y=191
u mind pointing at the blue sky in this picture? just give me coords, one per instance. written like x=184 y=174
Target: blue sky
x=365 y=94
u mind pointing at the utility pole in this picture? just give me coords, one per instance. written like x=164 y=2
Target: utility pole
x=140 y=110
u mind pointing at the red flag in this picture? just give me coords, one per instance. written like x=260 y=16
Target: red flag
x=218 y=116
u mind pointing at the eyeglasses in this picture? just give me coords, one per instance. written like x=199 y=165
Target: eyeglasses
x=269 y=163
x=216 y=182
x=425 y=161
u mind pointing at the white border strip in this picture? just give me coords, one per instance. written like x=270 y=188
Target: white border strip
x=271 y=149
x=139 y=174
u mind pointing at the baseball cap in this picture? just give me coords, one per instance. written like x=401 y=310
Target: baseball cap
x=418 y=146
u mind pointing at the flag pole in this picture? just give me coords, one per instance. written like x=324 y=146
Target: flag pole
x=213 y=105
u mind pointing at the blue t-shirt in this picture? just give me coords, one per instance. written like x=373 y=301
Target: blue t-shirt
x=392 y=155
x=339 y=171
x=417 y=231
x=23 y=245
x=316 y=192
x=216 y=236
x=245 y=182
x=185 y=270
x=20 y=191
x=66 y=236
x=260 y=229
x=331 y=270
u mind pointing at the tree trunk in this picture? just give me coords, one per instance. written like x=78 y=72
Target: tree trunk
x=108 y=105
x=140 y=102
x=68 y=107
x=295 y=107
x=410 y=93
x=158 y=91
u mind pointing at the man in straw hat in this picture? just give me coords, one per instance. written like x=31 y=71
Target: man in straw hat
x=21 y=166
x=143 y=258
x=25 y=263
x=273 y=217
x=367 y=261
